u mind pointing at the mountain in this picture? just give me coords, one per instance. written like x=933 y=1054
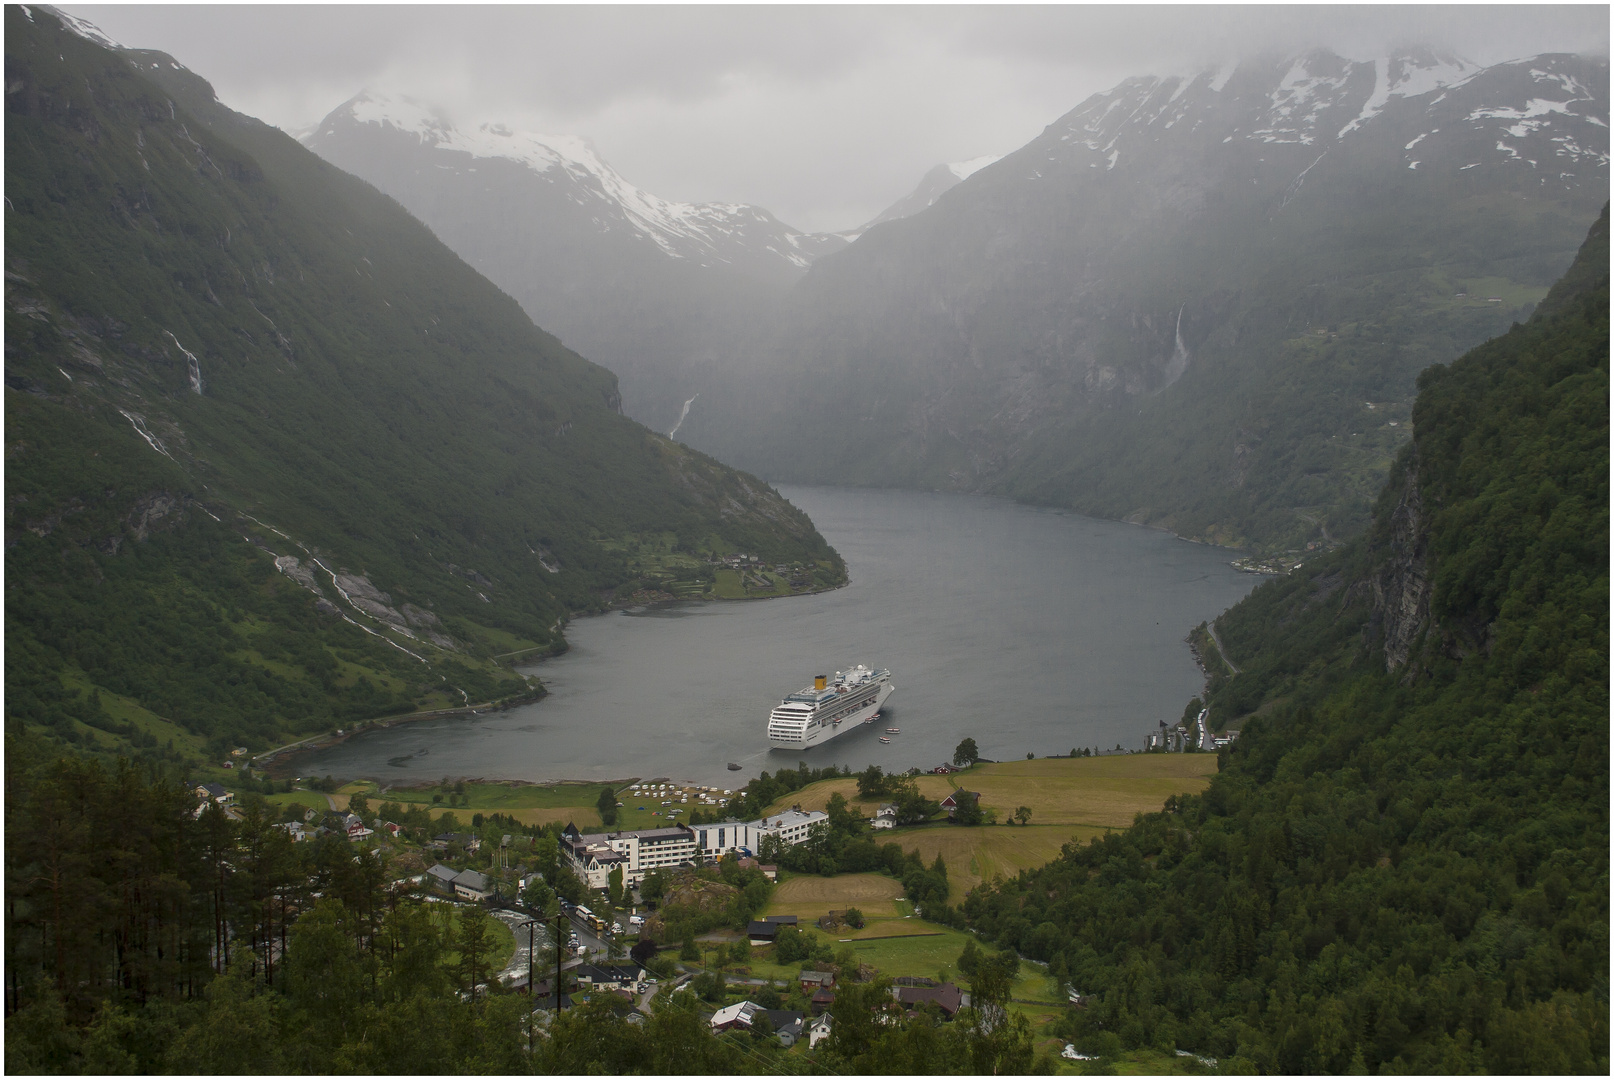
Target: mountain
x=1402 y=864
x=277 y=460
x=932 y=185
x=1195 y=303
x=648 y=287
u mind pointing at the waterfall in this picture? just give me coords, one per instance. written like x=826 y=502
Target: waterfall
x=193 y=365
x=1179 y=356
x=681 y=417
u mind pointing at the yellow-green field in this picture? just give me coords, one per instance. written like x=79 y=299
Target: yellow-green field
x=979 y=853
x=817 y=796
x=1071 y=799
x=931 y=953
x=1102 y=791
x=875 y=895
x=1098 y=791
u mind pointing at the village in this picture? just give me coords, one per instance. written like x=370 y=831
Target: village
x=678 y=897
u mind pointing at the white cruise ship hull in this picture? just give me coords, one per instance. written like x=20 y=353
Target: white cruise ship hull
x=790 y=730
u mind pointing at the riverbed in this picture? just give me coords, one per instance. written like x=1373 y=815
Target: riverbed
x=1030 y=630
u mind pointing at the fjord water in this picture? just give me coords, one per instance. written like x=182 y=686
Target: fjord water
x=1030 y=630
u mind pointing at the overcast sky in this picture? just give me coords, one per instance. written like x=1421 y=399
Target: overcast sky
x=823 y=115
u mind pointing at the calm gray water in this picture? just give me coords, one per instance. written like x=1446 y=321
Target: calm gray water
x=1029 y=630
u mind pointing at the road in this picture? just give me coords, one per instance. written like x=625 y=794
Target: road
x=1226 y=659
x=594 y=949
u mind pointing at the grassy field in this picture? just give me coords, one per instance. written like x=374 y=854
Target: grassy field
x=1101 y=791
x=530 y=804
x=1097 y=791
x=876 y=895
x=817 y=796
x=977 y=854
x=1071 y=799
x=932 y=952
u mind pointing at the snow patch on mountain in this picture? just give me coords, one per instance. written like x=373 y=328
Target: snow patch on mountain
x=965 y=169
x=1409 y=76
x=706 y=232
x=82 y=27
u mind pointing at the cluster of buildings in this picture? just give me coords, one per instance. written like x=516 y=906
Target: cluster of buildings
x=908 y=996
x=788 y=1027
x=1193 y=736
x=636 y=852
x=461 y=884
x=350 y=825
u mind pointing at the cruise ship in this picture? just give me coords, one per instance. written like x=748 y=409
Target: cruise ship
x=818 y=713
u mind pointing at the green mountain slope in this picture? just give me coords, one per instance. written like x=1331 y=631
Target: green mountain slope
x=1403 y=864
x=220 y=352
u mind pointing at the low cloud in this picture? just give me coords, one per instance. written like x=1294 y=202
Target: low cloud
x=824 y=115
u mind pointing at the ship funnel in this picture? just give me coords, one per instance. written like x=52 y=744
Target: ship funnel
x=819 y=681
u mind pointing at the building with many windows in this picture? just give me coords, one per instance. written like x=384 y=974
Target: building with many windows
x=638 y=851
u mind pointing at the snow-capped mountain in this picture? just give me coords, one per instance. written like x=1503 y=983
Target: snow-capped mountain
x=1171 y=305
x=1323 y=102
x=709 y=234
x=649 y=287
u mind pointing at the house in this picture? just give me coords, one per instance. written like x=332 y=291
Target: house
x=443 y=875
x=944 y=769
x=468 y=841
x=885 y=817
x=813 y=980
x=948 y=997
x=735 y=1016
x=392 y=828
x=601 y=977
x=766 y=931
x=543 y=994
x=819 y=1031
x=214 y=792
x=958 y=798
x=353 y=825
x=294 y=829
x=823 y=998
x=471 y=885
x=769 y=871
x=787 y=1026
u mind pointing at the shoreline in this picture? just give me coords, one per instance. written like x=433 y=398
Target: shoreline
x=271 y=760
x=275 y=762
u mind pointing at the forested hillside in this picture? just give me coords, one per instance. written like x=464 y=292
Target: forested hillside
x=276 y=459
x=1403 y=863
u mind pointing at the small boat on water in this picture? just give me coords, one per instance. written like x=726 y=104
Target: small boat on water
x=884 y=739
x=733 y=767
x=893 y=731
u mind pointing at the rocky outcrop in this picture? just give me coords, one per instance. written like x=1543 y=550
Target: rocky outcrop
x=428 y=625
x=149 y=512
x=293 y=568
x=691 y=897
x=1401 y=586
